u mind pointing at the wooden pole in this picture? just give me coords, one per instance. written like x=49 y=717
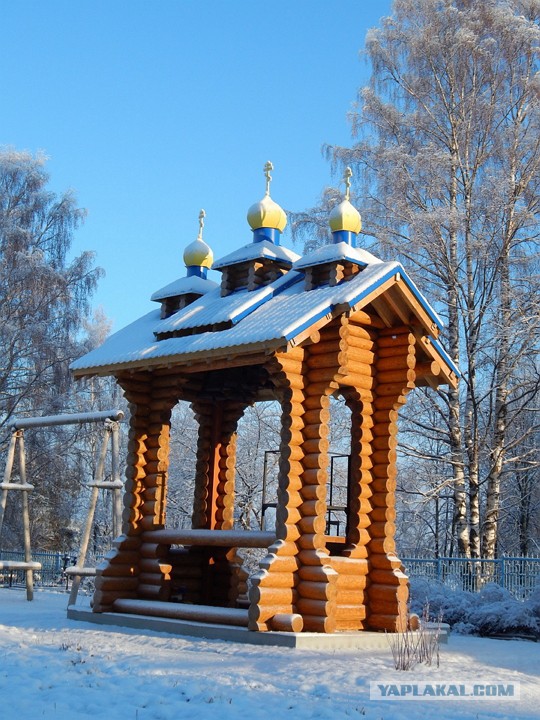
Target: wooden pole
x=7 y=475
x=115 y=477
x=26 y=520
x=85 y=541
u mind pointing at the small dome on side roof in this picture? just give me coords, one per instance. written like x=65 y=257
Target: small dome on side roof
x=345 y=217
x=198 y=257
x=198 y=253
x=344 y=220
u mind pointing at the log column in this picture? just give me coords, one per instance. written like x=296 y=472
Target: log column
x=216 y=458
x=273 y=594
x=356 y=381
x=317 y=587
x=151 y=399
x=224 y=578
x=319 y=575
x=388 y=589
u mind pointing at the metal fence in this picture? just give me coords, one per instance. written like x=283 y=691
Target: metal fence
x=518 y=575
x=53 y=565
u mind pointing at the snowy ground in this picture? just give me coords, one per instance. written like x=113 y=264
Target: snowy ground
x=51 y=667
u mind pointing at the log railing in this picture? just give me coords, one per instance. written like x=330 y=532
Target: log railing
x=211 y=538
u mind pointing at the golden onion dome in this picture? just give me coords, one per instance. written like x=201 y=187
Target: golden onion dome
x=267 y=213
x=345 y=216
x=198 y=253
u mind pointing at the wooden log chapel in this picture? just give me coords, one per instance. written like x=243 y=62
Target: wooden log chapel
x=336 y=322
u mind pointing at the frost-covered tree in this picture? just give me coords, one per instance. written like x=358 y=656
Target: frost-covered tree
x=44 y=302
x=44 y=295
x=447 y=154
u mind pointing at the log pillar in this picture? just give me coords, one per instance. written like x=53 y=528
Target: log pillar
x=317 y=586
x=388 y=588
x=273 y=593
x=213 y=506
x=151 y=398
x=356 y=380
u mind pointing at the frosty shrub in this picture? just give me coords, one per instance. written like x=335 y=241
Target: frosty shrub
x=492 y=611
x=412 y=647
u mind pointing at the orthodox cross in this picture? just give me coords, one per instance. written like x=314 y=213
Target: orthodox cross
x=347 y=175
x=267 y=168
x=202 y=215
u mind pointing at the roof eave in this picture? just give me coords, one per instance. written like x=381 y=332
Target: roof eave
x=190 y=362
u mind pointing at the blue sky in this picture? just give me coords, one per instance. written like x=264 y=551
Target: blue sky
x=152 y=110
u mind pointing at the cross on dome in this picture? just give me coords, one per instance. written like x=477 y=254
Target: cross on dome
x=268 y=167
x=347 y=175
x=198 y=257
x=266 y=218
x=345 y=221
x=202 y=215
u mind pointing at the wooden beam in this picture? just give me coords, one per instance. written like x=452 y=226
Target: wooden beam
x=401 y=310
x=427 y=322
x=432 y=353
x=385 y=313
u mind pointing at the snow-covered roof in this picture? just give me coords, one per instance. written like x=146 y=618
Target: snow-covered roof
x=212 y=308
x=334 y=253
x=255 y=251
x=192 y=284
x=259 y=320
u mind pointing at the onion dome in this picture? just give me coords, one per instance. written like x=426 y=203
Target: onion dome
x=198 y=256
x=345 y=221
x=266 y=218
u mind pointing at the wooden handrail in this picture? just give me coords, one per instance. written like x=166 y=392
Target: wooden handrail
x=211 y=538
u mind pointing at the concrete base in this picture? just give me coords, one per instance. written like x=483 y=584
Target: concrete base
x=363 y=640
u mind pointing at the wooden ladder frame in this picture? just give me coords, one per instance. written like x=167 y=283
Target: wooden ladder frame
x=80 y=570
x=18 y=426
x=17 y=443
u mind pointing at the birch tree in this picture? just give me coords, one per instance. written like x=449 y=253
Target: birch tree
x=447 y=152
x=44 y=300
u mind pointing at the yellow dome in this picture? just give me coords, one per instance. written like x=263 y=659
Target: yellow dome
x=267 y=214
x=345 y=217
x=198 y=253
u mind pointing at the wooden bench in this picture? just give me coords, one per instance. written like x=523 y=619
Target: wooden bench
x=28 y=567
x=76 y=570
x=19 y=565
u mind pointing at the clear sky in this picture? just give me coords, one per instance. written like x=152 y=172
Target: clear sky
x=153 y=109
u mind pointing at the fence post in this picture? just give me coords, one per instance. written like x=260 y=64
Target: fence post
x=503 y=573
x=439 y=570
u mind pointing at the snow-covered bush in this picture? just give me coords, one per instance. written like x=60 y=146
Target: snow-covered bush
x=492 y=611
x=534 y=602
x=453 y=606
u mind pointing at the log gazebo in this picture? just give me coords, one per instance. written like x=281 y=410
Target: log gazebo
x=336 y=322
